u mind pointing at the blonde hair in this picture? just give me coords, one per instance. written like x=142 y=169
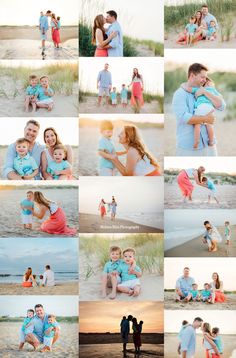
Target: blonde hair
x=129 y=249
x=106 y=125
x=97 y=24
x=39 y=198
x=115 y=248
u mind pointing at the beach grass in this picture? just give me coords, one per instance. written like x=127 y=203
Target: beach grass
x=64 y=319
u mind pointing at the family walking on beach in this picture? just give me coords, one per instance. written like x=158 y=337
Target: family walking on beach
x=113 y=98
x=137 y=331
x=55 y=25
x=111 y=207
x=45 y=280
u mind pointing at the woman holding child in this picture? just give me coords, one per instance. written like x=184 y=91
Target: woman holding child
x=211 y=342
x=55 y=25
x=136 y=335
x=28 y=279
x=184 y=180
x=217 y=289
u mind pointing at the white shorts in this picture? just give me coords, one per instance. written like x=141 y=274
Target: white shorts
x=114 y=101
x=47 y=341
x=212 y=193
x=130 y=283
x=227 y=237
x=106 y=172
x=124 y=100
x=45 y=101
x=103 y=90
x=203 y=109
x=27 y=219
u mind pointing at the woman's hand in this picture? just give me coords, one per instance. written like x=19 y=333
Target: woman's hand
x=112 y=35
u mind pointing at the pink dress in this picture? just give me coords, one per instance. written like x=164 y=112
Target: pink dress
x=184 y=183
x=137 y=92
x=56 y=223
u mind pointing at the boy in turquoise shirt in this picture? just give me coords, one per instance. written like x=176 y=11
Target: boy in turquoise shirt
x=31 y=91
x=44 y=94
x=27 y=326
x=24 y=164
x=206 y=293
x=113 y=95
x=124 y=96
x=27 y=206
x=60 y=169
x=49 y=332
x=110 y=275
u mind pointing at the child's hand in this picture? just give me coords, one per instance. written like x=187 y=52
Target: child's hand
x=200 y=92
x=57 y=172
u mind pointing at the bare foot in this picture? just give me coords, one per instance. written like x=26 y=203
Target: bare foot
x=112 y=296
x=50 y=106
x=104 y=294
x=136 y=293
x=131 y=292
x=21 y=346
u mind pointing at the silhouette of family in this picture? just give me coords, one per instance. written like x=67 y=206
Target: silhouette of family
x=125 y=331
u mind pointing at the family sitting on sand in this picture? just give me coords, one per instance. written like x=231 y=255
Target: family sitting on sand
x=212 y=342
x=212 y=236
x=104 y=86
x=46 y=280
x=184 y=181
x=121 y=273
x=26 y=159
x=55 y=224
x=139 y=161
x=111 y=207
x=39 y=94
x=39 y=328
x=194 y=104
x=125 y=330
x=186 y=289
x=201 y=26
x=55 y=29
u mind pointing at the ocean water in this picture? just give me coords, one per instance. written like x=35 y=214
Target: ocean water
x=150 y=219
x=60 y=276
x=180 y=235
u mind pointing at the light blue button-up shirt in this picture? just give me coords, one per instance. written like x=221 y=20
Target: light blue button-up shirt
x=208 y=18
x=106 y=144
x=185 y=284
x=104 y=79
x=39 y=326
x=44 y=23
x=188 y=341
x=12 y=154
x=111 y=266
x=116 y=43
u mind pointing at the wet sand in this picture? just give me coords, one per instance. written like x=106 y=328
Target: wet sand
x=114 y=350
x=65 y=288
x=67 y=345
x=195 y=247
x=108 y=338
x=93 y=223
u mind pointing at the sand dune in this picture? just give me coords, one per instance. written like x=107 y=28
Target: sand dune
x=65 y=288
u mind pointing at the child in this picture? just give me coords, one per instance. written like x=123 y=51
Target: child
x=184 y=325
x=130 y=274
x=113 y=95
x=109 y=275
x=206 y=293
x=194 y=294
x=190 y=30
x=24 y=164
x=27 y=327
x=217 y=339
x=105 y=148
x=49 y=332
x=58 y=22
x=31 y=91
x=211 y=352
x=212 y=189
x=211 y=32
x=60 y=168
x=227 y=232
x=27 y=206
x=44 y=94
x=124 y=96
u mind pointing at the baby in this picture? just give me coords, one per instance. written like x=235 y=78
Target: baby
x=31 y=91
x=59 y=168
x=211 y=32
x=212 y=189
x=124 y=96
x=113 y=95
x=49 y=332
x=206 y=293
x=44 y=94
x=194 y=294
x=217 y=339
x=227 y=232
x=27 y=327
x=190 y=30
x=24 y=164
x=27 y=206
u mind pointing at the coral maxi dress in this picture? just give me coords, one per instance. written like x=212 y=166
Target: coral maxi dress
x=56 y=223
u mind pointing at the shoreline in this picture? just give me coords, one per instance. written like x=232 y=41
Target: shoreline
x=67 y=288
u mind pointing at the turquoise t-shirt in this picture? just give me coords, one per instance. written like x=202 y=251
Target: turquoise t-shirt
x=194 y=293
x=206 y=293
x=25 y=322
x=41 y=93
x=210 y=185
x=31 y=91
x=113 y=95
x=203 y=99
x=29 y=203
x=107 y=145
x=111 y=266
x=191 y=28
x=125 y=275
x=211 y=31
x=124 y=93
x=52 y=333
x=54 y=166
x=219 y=344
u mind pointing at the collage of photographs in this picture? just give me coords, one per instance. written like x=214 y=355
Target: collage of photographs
x=95 y=265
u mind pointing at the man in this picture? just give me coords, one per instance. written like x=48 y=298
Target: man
x=207 y=17
x=115 y=46
x=31 y=132
x=211 y=236
x=43 y=25
x=124 y=330
x=183 y=107
x=39 y=320
x=188 y=338
x=48 y=277
x=104 y=84
x=183 y=285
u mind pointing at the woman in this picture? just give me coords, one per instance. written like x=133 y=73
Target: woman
x=136 y=90
x=139 y=162
x=55 y=31
x=52 y=139
x=28 y=279
x=100 y=38
x=136 y=335
x=102 y=208
x=184 y=181
x=211 y=349
x=56 y=223
x=199 y=22
x=217 y=289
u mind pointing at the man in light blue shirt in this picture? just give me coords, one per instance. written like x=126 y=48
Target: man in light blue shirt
x=183 y=285
x=43 y=25
x=31 y=132
x=183 y=105
x=104 y=84
x=115 y=46
x=188 y=338
x=207 y=17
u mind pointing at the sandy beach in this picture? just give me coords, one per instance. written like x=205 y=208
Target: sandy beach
x=93 y=223
x=65 y=288
x=67 y=345
x=171 y=344
x=225 y=193
x=195 y=247
x=24 y=43
x=170 y=303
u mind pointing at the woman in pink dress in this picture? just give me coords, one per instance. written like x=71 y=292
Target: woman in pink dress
x=136 y=91
x=55 y=31
x=100 y=38
x=182 y=39
x=102 y=208
x=217 y=289
x=184 y=180
x=56 y=223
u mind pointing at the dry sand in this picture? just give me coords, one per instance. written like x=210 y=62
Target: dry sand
x=93 y=223
x=174 y=200
x=170 y=303
x=195 y=247
x=171 y=344
x=10 y=220
x=70 y=288
x=67 y=345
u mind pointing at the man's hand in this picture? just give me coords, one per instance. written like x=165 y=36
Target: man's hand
x=209 y=118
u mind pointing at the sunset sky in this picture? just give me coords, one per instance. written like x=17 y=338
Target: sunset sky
x=106 y=316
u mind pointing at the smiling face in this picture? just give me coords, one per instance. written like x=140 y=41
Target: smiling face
x=30 y=196
x=59 y=155
x=31 y=132
x=199 y=79
x=114 y=255
x=50 y=138
x=30 y=314
x=40 y=312
x=122 y=137
x=128 y=257
x=205 y=10
x=186 y=272
x=44 y=82
x=51 y=320
x=33 y=82
x=22 y=148
x=107 y=133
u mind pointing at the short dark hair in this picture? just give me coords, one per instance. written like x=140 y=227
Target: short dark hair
x=32 y=121
x=206 y=222
x=112 y=13
x=204 y=178
x=204 y=5
x=48 y=12
x=184 y=322
x=196 y=68
x=48 y=267
x=30 y=310
x=186 y=268
x=198 y=319
x=215 y=330
x=38 y=306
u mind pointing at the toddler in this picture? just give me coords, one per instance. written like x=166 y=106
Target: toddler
x=217 y=339
x=190 y=30
x=44 y=94
x=27 y=206
x=124 y=96
x=49 y=332
x=27 y=327
x=227 y=232
x=31 y=91
x=212 y=189
x=24 y=164
x=206 y=293
x=59 y=168
x=211 y=32
x=113 y=95
x=194 y=294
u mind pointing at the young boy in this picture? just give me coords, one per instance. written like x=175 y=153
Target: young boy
x=31 y=91
x=211 y=32
x=49 y=332
x=212 y=189
x=194 y=294
x=110 y=276
x=217 y=339
x=130 y=274
x=24 y=164
x=227 y=232
x=27 y=327
x=27 y=206
x=44 y=94
x=113 y=95
x=124 y=96
x=59 y=168
x=190 y=29
x=206 y=293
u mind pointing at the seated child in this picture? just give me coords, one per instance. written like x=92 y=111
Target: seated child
x=227 y=233
x=212 y=189
x=24 y=164
x=113 y=95
x=109 y=275
x=27 y=206
x=206 y=293
x=211 y=32
x=44 y=94
x=27 y=327
x=129 y=273
x=59 y=168
x=124 y=96
x=31 y=91
x=194 y=294
x=49 y=332
x=183 y=326
x=190 y=28
x=217 y=339
x=106 y=148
